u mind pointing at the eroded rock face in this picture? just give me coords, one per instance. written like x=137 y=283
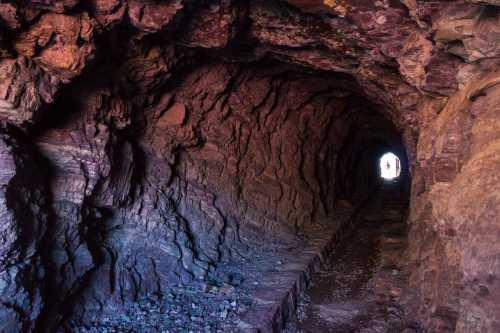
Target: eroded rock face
x=25 y=220
x=454 y=219
x=144 y=143
x=25 y=90
x=188 y=193
x=60 y=44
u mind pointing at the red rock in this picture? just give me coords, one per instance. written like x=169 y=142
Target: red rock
x=153 y=16
x=214 y=26
x=174 y=116
x=24 y=89
x=108 y=12
x=145 y=143
x=58 y=6
x=9 y=16
x=60 y=44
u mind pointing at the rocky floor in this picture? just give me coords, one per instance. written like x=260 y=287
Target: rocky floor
x=239 y=296
x=213 y=309
x=358 y=288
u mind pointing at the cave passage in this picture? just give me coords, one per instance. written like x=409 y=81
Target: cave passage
x=358 y=287
x=190 y=165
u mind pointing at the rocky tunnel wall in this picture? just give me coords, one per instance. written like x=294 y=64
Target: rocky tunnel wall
x=155 y=192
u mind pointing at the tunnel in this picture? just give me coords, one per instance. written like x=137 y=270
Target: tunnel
x=390 y=166
x=370 y=137
x=262 y=157
x=350 y=292
x=249 y=166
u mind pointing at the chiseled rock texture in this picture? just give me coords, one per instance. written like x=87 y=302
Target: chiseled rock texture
x=144 y=143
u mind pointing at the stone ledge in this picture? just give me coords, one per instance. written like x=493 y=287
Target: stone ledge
x=277 y=294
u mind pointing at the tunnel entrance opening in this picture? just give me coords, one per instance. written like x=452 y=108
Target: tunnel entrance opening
x=372 y=155
x=390 y=166
x=373 y=176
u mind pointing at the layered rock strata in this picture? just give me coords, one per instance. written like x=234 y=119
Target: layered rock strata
x=144 y=144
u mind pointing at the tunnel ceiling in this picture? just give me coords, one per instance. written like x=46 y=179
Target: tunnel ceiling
x=146 y=143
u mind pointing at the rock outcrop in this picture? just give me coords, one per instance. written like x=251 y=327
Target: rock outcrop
x=145 y=144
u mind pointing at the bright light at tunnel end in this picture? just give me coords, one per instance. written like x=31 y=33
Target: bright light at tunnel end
x=390 y=166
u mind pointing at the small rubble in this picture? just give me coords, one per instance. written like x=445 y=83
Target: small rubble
x=203 y=309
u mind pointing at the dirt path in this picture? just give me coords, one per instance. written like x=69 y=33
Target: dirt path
x=353 y=293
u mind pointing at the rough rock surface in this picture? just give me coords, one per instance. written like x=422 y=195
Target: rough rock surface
x=145 y=145
x=25 y=222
